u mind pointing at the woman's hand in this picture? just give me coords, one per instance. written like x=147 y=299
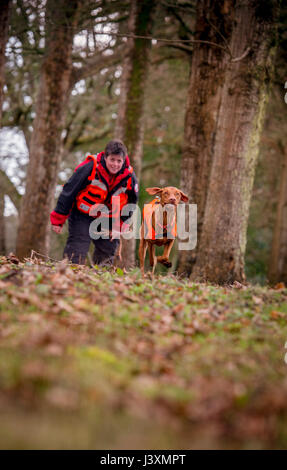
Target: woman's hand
x=57 y=228
x=113 y=234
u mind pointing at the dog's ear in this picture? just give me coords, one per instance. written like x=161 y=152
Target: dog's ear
x=153 y=191
x=184 y=197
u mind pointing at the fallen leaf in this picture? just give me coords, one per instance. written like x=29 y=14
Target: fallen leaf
x=178 y=308
x=13 y=259
x=279 y=286
x=257 y=300
x=275 y=315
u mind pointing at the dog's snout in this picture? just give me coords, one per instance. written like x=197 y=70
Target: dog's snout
x=172 y=200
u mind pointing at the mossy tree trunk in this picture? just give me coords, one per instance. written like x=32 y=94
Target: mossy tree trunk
x=2 y=226
x=6 y=188
x=220 y=256
x=5 y=6
x=130 y=120
x=33 y=232
x=278 y=259
x=208 y=65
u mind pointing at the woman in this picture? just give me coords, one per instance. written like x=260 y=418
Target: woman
x=95 y=181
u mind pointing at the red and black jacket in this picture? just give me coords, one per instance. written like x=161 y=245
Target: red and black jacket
x=78 y=189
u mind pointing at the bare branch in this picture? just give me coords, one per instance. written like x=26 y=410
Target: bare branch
x=95 y=64
x=180 y=20
x=245 y=53
x=151 y=38
x=8 y=188
x=182 y=47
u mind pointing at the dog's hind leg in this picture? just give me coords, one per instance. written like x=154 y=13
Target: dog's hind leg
x=152 y=257
x=142 y=253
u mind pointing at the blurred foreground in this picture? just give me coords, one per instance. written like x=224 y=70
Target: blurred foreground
x=105 y=360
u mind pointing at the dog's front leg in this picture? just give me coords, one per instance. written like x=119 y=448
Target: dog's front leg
x=164 y=259
x=119 y=250
x=142 y=253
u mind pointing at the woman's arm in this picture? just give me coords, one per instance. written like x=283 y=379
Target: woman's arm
x=74 y=185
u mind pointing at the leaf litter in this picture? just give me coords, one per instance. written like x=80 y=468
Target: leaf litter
x=205 y=360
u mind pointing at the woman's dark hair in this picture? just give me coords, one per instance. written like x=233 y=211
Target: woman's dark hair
x=115 y=147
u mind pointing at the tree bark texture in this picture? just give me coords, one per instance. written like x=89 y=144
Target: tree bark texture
x=8 y=188
x=5 y=6
x=33 y=232
x=278 y=261
x=4 y=24
x=208 y=65
x=2 y=225
x=130 y=120
x=220 y=256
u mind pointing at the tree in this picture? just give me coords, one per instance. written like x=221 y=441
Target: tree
x=208 y=64
x=60 y=22
x=278 y=258
x=220 y=257
x=130 y=120
x=4 y=23
x=2 y=225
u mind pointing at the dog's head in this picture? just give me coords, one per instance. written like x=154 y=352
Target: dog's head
x=168 y=195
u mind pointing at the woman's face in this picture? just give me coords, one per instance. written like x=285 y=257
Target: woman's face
x=114 y=163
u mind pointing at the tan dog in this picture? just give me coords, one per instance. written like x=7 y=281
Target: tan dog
x=159 y=225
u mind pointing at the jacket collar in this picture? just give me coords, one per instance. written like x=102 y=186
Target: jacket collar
x=112 y=180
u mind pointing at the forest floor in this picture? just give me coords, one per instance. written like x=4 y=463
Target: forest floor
x=95 y=359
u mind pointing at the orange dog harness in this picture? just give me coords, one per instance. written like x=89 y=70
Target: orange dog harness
x=160 y=230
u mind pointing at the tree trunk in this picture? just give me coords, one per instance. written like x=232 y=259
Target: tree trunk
x=220 y=256
x=278 y=259
x=208 y=65
x=6 y=188
x=130 y=121
x=2 y=225
x=33 y=232
x=4 y=23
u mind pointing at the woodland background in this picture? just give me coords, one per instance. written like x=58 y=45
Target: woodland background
x=94 y=357
x=123 y=84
